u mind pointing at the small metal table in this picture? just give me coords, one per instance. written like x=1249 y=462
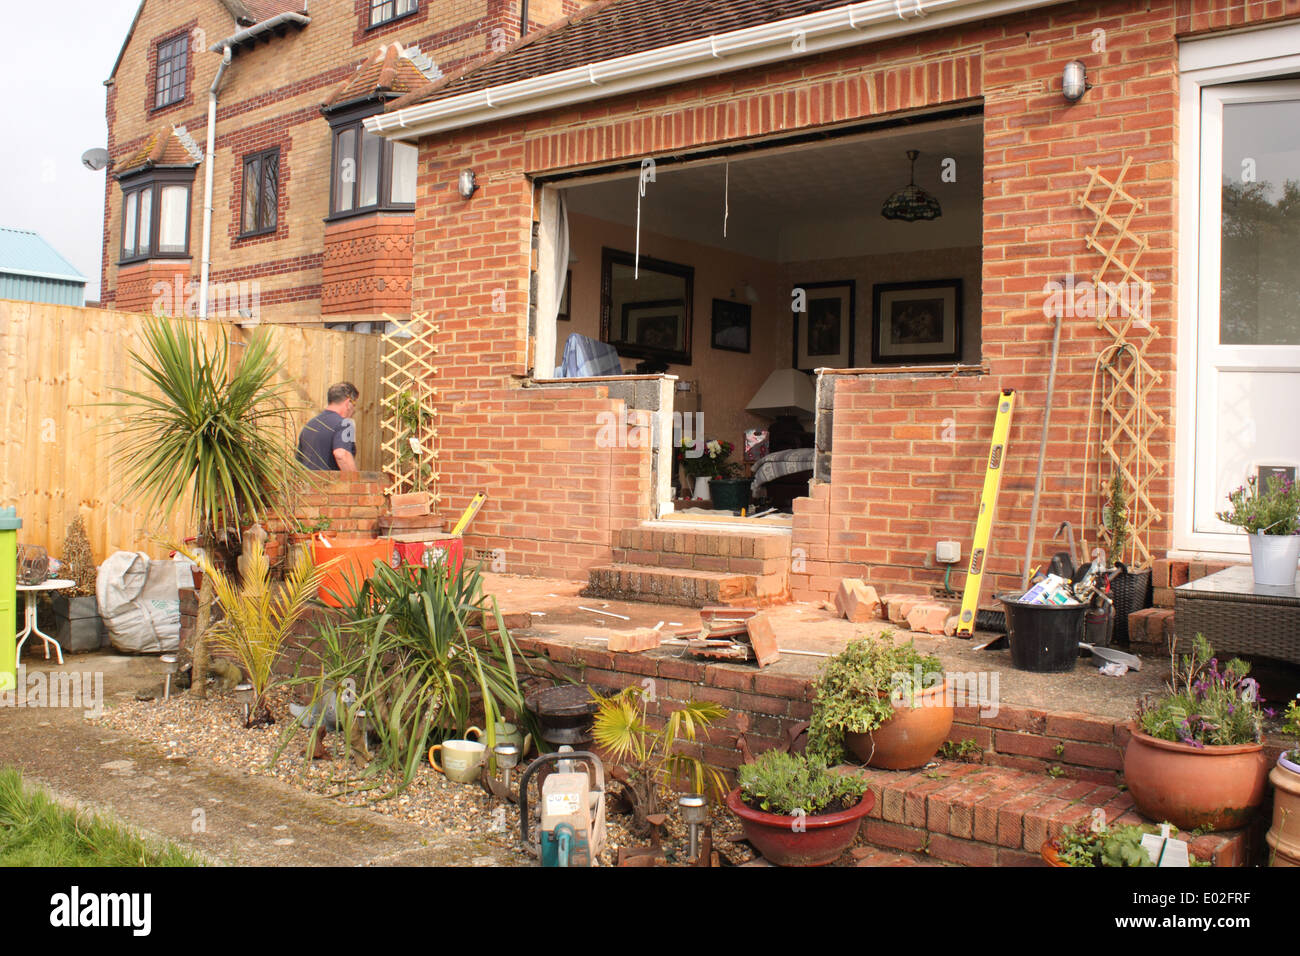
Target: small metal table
x=1238 y=616
x=30 y=591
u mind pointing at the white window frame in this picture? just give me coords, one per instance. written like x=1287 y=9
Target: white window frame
x=1253 y=54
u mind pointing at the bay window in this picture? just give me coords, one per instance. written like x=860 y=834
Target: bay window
x=156 y=216
x=368 y=172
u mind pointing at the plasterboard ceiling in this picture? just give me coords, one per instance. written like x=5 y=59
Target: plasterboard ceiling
x=812 y=201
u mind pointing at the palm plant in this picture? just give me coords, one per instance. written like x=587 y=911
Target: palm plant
x=215 y=438
x=423 y=646
x=259 y=615
x=646 y=761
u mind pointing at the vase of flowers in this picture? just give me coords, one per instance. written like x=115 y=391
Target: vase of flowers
x=1272 y=520
x=705 y=464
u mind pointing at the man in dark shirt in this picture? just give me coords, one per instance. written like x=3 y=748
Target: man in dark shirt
x=329 y=441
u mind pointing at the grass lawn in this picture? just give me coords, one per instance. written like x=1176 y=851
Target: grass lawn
x=37 y=831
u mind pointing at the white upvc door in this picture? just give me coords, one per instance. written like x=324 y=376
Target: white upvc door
x=1247 y=375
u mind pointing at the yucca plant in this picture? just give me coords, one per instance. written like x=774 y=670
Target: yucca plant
x=216 y=439
x=411 y=643
x=259 y=615
x=646 y=761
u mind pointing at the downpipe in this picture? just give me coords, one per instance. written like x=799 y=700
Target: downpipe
x=208 y=176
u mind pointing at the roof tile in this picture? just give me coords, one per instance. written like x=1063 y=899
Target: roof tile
x=610 y=29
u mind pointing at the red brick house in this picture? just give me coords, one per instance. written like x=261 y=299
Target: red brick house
x=310 y=215
x=668 y=177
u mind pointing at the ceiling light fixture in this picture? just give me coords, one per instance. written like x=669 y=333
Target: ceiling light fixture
x=911 y=203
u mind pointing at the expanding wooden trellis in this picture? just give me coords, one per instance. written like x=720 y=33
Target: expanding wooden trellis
x=1122 y=301
x=409 y=418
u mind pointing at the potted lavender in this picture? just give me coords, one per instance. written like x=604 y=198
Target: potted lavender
x=1272 y=520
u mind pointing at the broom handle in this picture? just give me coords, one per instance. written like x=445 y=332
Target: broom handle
x=1042 y=456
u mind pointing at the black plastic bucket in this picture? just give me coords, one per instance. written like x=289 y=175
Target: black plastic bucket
x=1044 y=637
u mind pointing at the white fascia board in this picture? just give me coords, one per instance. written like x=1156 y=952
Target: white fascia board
x=769 y=43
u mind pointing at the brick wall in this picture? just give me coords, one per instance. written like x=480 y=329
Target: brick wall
x=367 y=265
x=271 y=96
x=901 y=477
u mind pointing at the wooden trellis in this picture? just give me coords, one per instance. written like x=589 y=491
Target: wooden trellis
x=1128 y=421
x=408 y=411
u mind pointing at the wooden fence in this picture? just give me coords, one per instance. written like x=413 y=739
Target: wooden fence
x=57 y=444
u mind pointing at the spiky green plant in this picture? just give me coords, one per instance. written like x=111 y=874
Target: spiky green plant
x=214 y=438
x=259 y=614
x=424 y=647
x=646 y=760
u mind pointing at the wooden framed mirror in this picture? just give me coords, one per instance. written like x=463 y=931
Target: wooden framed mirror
x=646 y=313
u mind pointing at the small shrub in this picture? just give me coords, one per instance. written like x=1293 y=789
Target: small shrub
x=1109 y=846
x=858 y=689
x=782 y=783
x=1206 y=706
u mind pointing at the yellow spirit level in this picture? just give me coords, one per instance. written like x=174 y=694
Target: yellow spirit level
x=988 y=501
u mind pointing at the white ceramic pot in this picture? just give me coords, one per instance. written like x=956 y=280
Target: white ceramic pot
x=702 y=488
x=1273 y=558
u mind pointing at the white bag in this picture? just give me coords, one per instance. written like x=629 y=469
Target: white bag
x=140 y=602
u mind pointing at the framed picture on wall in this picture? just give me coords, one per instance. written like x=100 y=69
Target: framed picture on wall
x=656 y=326
x=823 y=324
x=563 y=314
x=916 y=322
x=731 y=326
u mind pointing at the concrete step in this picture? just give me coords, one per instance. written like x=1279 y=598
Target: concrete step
x=684 y=586
x=977 y=815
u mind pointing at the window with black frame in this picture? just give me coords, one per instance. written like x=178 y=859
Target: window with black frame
x=170 y=76
x=381 y=11
x=261 y=193
x=156 y=216
x=369 y=172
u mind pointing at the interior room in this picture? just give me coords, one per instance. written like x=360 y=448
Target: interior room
x=742 y=273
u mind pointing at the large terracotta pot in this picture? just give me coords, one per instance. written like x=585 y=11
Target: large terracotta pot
x=911 y=737
x=1049 y=853
x=1218 y=788
x=1284 y=836
x=815 y=841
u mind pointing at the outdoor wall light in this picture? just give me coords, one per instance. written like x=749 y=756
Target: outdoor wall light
x=1074 y=81
x=468 y=184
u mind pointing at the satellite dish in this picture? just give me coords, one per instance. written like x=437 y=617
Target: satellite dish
x=95 y=159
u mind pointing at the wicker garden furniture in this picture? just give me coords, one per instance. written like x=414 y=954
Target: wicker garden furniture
x=1237 y=616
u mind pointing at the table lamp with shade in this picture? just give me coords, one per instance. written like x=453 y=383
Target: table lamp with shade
x=786 y=397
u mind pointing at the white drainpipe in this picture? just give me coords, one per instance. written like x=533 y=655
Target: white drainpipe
x=208 y=173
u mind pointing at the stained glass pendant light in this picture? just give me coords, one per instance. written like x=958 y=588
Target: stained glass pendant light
x=911 y=203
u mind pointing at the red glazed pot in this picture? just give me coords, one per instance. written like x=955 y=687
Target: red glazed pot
x=1208 y=787
x=820 y=840
x=911 y=737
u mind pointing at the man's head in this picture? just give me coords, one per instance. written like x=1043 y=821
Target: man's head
x=342 y=398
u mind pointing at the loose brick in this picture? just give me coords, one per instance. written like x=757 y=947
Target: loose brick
x=857 y=601
x=633 y=642
x=762 y=637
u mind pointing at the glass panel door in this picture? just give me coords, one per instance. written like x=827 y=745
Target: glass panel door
x=1248 y=338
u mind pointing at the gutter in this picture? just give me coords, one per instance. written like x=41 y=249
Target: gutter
x=257 y=29
x=206 y=262
x=768 y=43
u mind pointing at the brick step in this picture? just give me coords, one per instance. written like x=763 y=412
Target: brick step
x=1151 y=631
x=873 y=856
x=683 y=586
x=977 y=815
x=751 y=545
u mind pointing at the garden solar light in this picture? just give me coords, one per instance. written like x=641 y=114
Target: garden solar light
x=170 y=667
x=1074 y=81
x=244 y=694
x=468 y=184
x=695 y=811
x=507 y=759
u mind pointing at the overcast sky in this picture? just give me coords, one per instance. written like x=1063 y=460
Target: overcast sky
x=57 y=56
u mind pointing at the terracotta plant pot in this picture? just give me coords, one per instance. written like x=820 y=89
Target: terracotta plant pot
x=1207 y=787
x=1284 y=835
x=800 y=841
x=1048 y=852
x=911 y=737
